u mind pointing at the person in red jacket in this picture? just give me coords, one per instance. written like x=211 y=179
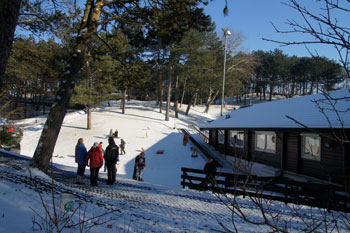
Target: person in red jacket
x=94 y=159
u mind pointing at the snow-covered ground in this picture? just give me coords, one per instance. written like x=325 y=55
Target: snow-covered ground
x=156 y=205
x=142 y=126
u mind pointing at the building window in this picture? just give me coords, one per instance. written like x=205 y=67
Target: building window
x=265 y=141
x=237 y=139
x=311 y=146
x=221 y=136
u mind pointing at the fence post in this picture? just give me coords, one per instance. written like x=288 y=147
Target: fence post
x=285 y=192
x=183 y=178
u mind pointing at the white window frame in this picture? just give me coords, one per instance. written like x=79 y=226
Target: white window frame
x=266 y=133
x=240 y=136
x=312 y=156
x=221 y=140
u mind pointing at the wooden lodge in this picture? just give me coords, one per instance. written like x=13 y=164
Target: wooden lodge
x=306 y=136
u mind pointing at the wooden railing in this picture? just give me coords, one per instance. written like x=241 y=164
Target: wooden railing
x=326 y=196
x=196 y=130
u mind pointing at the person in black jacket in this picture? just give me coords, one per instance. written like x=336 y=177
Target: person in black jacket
x=111 y=157
x=122 y=146
x=210 y=172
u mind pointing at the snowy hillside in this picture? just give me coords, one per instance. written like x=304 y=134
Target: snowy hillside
x=142 y=126
x=156 y=205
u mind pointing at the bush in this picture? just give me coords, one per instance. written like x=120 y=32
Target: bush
x=10 y=136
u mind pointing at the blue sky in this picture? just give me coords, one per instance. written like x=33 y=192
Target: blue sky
x=253 y=18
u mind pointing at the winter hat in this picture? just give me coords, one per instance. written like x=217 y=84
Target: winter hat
x=111 y=141
x=95 y=144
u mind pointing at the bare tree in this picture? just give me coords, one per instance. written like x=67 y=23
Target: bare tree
x=324 y=28
x=249 y=194
x=324 y=25
x=60 y=215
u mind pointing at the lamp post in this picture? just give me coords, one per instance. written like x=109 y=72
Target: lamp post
x=226 y=33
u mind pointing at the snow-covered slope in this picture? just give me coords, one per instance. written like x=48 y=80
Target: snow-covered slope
x=142 y=126
x=156 y=205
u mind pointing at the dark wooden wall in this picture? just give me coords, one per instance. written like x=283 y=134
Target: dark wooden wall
x=293 y=161
x=334 y=164
x=213 y=138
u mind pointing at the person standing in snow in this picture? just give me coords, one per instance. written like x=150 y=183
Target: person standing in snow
x=115 y=134
x=210 y=172
x=194 y=152
x=80 y=158
x=111 y=133
x=94 y=159
x=111 y=157
x=103 y=152
x=140 y=164
x=101 y=148
x=122 y=146
x=185 y=139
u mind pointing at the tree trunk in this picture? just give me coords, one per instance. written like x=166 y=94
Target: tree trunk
x=123 y=101
x=170 y=77
x=183 y=93
x=191 y=101
x=160 y=81
x=311 y=87
x=264 y=92
x=45 y=99
x=25 y=103
x=9 y=11
x=41 y=100
x=168 y=100
x=160 y=94
x=210 y=100
x=176 y=97
x=292 y=89
x=271 y=92
x=195 y=101
x=48 y=138
x=89 y=119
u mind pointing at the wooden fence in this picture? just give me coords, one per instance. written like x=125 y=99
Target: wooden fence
x=328 y=196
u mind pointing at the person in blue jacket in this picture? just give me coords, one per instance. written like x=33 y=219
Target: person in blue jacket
x=80 y=158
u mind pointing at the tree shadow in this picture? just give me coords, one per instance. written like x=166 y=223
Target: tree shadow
x=165 y=168
x=74 y=127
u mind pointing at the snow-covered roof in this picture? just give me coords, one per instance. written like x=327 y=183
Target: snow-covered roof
x=313 y=111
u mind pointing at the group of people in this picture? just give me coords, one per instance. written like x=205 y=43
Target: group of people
x=115 y=134
x=96 y=157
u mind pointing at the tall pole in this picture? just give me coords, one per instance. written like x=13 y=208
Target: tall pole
x=226 y=33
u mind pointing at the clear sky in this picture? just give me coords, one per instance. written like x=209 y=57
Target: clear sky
x=253 y=18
